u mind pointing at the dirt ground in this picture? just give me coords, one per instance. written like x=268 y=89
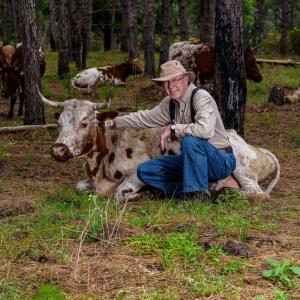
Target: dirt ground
x=27 y=172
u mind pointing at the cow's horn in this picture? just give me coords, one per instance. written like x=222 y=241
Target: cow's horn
x=49 y=102
x=107 y=102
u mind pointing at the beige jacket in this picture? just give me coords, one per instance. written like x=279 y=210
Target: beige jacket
x=208 y=123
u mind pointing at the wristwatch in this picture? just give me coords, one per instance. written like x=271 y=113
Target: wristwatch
x=173 y=127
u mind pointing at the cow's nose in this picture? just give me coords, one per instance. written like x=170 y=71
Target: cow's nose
x=61 y=152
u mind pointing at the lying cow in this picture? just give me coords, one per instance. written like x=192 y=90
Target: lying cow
x=12 y=78
x=112 y=155
x=199 y=58
x=89 y=80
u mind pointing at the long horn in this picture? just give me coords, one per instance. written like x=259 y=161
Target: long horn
x=49 y=102
x=107 y=102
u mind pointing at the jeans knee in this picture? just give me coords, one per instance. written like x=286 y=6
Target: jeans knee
x=140 y=171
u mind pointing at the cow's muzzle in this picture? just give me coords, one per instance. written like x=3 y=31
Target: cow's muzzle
x=61 y=152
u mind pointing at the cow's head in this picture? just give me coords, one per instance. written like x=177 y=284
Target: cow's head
x=252 y=68
x=132 y=67
x=80 y=130
x=11 y=80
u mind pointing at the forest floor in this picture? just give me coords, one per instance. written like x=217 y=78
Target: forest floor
x=56 y=242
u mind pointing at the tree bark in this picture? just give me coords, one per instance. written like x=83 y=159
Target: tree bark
x=259 y=29
x=124 y=26
x=52 y=19
x=149 y=37
x=5 y=22
x=34 y=108
x=16 y=20
x=184 y=28
x=112 y=25
x=284 y=25
x=230 y=76
x=132 y=34
x=166 y=31
x=207 y=21
x=64 y=38
x=89 y=25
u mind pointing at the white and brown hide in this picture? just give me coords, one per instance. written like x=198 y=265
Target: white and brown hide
x=199 y=58
x=112 y=155
x=87 y=81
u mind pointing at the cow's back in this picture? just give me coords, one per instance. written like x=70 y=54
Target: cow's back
x=196 y=57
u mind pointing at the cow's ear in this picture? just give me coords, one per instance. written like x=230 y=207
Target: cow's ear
x=56 y=115
x=106 y=115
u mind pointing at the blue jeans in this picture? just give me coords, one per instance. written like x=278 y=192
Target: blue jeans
x=190 y=171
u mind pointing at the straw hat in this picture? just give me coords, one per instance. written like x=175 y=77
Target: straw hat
x=171 y=69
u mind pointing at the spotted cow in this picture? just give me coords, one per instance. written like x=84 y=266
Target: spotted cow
x=112 y=155
x=199 y=58
x=87 y=81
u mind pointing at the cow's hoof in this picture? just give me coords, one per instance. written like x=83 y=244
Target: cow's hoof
x=84 y=185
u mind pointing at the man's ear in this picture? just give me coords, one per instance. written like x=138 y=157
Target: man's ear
x=102 y=116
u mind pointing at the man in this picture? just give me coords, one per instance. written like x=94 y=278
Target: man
x=206 y=150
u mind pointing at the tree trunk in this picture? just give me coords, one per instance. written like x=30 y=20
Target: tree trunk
x=112 y=25
x=259 y=30
x=89 y=25
x=34 y=108
x=207 y=21
x=124 y=26
x=5 y=22
x=16 y=20
x=284 y=5
x=64 y=38
x=230 y=76
x=184 y=28
x=133 y=39
x=166 y=31
x=52 y=31
x=149 y=37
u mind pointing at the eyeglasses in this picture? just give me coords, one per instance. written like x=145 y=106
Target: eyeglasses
x=174 y=80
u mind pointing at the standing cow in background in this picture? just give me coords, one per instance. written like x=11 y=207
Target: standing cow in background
x=88 y=81
x=12 y=78
x=199 y=58
x=6 y=53
x=113 y=154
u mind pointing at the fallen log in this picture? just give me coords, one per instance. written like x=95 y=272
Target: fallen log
x=27 y=127
x=281 y=95
x=289 y=62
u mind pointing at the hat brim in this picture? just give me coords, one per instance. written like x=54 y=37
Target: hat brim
x=167 y=78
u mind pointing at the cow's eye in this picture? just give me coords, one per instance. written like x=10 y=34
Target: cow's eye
x=83 y=125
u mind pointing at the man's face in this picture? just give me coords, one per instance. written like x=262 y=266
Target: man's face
x=177 y=86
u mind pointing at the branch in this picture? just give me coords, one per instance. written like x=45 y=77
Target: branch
x=27 y=127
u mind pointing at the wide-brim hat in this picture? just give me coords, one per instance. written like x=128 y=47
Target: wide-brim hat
x=172 y=69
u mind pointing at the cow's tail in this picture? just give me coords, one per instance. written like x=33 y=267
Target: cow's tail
x=276 y=178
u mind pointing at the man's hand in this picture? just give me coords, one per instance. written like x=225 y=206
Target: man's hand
x=165 y=135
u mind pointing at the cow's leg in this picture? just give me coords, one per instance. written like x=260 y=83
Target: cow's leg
x=12 y=102
x=129 y=188
x=21 y=96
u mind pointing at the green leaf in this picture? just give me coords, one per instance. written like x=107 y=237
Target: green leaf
x=268 y=273
x=272 y=262
x=295 y=270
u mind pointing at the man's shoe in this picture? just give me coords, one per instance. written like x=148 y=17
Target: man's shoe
x=199 y=196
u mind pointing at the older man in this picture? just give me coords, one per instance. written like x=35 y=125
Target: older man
x=191 y=115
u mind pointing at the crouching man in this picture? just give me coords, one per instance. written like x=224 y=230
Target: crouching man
x=191 y=115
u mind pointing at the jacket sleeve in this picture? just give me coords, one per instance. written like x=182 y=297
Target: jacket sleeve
x=205 y=118
x=157 y=117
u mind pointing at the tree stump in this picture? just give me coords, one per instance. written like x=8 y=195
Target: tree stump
x=281 y=95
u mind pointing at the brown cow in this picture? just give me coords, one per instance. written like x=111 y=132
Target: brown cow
x=112 y=155
x=87 y=81
x=199 y=58
x=6 y=53
x=13 y=80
